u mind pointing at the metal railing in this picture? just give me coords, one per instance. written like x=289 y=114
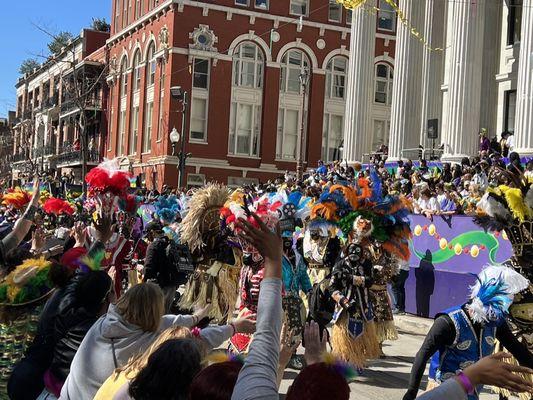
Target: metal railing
x=70 y=105
x=74 y=157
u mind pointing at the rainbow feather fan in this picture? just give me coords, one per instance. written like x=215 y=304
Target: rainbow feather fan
x=57 y=207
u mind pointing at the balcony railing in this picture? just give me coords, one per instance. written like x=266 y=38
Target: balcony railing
x=20 y=157
x=47 y=150
x=69 y=105
x=74 y=157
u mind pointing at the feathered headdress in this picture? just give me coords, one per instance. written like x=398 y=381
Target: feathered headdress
x=294 y=208
x=129 y=204
x=16 y=198
x=108 y=178
x=28 y=282
x=202 y=215
x=492 y=294
x=242 y=207
x=166 y=208
x=88 y=263
x=57 y=207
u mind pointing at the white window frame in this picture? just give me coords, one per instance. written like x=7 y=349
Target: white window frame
x=299 y=3
x=282 y=133
x=123 y=78
x=389 y=82
x=386 y=10
x=326 y=136
x=254 y=131
x=349 y=13
x=200 y=93
x=195 y=180
x=137 y=71
x=161 y=101
x=151 y=64
x=265 y=8
x=332 y=74
x=121 y=129
x=385 y=124
x=239 y=60
x=334 y=5
x=240 y=4
x=286 y=68
x=134 y=129
x=148 y=123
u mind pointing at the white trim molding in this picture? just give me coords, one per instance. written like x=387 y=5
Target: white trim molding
x=302 y=46
x=250 y=37
x=337 y=52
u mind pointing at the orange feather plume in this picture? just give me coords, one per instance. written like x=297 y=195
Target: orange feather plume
x=349 y=194
x=327 y=211
x=16 y=198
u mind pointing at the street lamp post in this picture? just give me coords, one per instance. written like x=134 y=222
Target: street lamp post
x=181 y=95
x=304 y=83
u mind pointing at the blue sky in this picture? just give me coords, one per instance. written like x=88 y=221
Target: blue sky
x=19 y=39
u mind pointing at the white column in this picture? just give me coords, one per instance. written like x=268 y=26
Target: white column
x=407 y=90
x=464 y=88
x=357 y=125
x=432 y=68
x=524 y=93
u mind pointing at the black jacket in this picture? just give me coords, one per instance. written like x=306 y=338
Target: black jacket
x=71 y=325
x=160 y=264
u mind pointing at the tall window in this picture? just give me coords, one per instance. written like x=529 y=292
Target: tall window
x=386 y=17
x=134 y=129
x=383 y=84
x=510 y=110
x=200 y=96
x=299 y=7
x=247 y=99
x=125 y=13
x=293 y=64
x=151 y=65
x=137 y=68
x=291 y=102
x=336 y=78
x=332 y=136
x=117 y=16
x=149 y=99
x=122 y=106
x=335 y=11
x=334 y=106
x=514 y=21
x=161 y=125
x=381 y=133
x=248 y=66
x=138 y=8
x=349 y=16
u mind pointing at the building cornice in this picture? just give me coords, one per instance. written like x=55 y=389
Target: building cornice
x=276 y=19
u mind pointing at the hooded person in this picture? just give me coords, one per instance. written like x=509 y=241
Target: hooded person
x=462 y=335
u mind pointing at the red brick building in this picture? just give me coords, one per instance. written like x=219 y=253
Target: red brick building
x=240 y=62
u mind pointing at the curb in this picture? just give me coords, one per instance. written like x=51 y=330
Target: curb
x=413 y=324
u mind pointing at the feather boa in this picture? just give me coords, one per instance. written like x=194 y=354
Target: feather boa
x=57 y=207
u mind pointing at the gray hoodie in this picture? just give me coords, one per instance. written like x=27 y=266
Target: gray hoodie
x=94 y=361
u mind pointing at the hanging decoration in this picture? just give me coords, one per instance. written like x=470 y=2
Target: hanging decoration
x=353 y=4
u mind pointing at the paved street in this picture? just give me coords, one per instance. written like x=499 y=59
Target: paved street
x=387 y=378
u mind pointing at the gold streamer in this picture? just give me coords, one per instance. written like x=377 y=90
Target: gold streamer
x=353 y=4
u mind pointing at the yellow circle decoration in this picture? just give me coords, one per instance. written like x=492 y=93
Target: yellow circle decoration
x=474 y=251
x=504 y=235
x=443 y=243
x=432 y=230
x=458 y=249
x=418 y=230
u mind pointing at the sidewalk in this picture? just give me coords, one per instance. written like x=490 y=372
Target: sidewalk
x=412 y=324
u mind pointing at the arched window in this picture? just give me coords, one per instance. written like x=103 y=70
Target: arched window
x=121 y=130
x=334 y=108
x=151 y=64
x=293 y=63
x=383 y=84
x=336 y=77
x=136 y=67
x=248 y=65
x=246 y=100
x=291 y=103
x=149 y=98
x=123 y=77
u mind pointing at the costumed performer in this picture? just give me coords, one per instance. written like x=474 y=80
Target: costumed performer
x=462 y=335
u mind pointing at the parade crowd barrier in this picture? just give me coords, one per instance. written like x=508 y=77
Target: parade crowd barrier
x=446 y=254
